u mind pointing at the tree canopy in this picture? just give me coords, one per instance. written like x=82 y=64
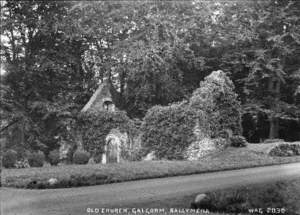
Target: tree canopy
x=152 y=52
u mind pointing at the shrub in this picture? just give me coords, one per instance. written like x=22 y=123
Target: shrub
x=81 y=157
x=284 y=150
x=9 y=158
x=54 y=157
x=22 y=164
x=97 y=158
x=95 y=127
x=216 y=97
x=238 y=141
x=221 y=143
x=168 y=131
x=36 y=159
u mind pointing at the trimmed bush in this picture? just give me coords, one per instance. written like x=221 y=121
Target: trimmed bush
x=9 y=158
x=216 y=97
x=36 y=159
x=81 y=157
x=168 y=131
x=238 y=141
x=285 y=150
x=54 y=157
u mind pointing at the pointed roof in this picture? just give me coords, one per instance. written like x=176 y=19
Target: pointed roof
x=101 y=95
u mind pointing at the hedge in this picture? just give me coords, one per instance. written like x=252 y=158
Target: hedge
x=36 y=159
x=81 y=157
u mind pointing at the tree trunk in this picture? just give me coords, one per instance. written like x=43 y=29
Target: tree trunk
x=12 y=41
x=274 y=127
x=274 y=88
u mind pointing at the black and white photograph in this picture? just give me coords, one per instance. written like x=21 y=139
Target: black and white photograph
x=156 y=107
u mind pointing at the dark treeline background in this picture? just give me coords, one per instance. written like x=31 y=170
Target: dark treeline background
x=152 y=52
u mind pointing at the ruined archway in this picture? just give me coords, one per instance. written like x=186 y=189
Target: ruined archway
x=112 y=152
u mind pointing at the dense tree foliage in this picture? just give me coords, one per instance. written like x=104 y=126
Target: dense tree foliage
x=153 y=53
x=44 y=79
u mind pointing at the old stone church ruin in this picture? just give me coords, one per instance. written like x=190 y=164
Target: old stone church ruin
x=102 y=100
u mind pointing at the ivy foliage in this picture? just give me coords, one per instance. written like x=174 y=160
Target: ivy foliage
x=94 y=128
x=216 y=97
x=168 y=130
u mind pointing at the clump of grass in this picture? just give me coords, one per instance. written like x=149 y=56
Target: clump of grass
x=269 y=198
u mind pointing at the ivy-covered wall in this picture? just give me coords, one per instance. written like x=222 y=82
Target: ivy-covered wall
x=216 y=97
x=168 y=130
x=94 y=127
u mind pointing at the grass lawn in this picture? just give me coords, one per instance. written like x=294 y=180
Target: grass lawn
x=278 y=195
x=84 y=175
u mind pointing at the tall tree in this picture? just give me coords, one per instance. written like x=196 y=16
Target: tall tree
x=264 y=43
x=44 y=67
